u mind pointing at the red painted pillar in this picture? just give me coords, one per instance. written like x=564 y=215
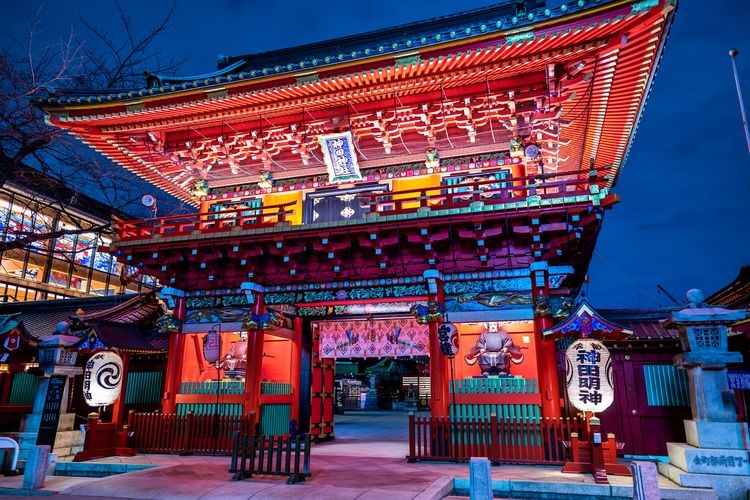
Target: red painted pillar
x=296 y=372
x=118 y=410
x=438 y=363
x=177 y=342
x=254 y=361
x=546 y=355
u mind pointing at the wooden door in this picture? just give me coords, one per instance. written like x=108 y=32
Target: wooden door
x=644 y=427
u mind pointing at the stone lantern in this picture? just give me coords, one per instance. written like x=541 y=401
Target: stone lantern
x=57 y=365
x=716 y=453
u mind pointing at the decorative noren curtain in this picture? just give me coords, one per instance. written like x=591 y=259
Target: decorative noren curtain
x=373 y=338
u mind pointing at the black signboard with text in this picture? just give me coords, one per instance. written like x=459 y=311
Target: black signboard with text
x=51 y=411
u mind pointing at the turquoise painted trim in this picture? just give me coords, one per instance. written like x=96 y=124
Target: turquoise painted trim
x=209 y=409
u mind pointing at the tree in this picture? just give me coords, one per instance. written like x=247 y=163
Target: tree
x=63 y=172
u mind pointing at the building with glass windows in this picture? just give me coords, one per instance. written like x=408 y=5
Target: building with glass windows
x=52 y=243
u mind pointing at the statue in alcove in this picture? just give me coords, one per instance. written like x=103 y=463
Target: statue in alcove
x=235 y=362
x=495 y=351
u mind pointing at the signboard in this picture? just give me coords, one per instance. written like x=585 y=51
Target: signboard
x=339 y=157
x=588 y=374
x=102 y=379
x=51 y=411
x=739 y=380
x=448 y=338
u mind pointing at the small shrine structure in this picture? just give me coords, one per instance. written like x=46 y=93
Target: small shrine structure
x=590 y=389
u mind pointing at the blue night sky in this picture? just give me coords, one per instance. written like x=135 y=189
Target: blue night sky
x=684 y=219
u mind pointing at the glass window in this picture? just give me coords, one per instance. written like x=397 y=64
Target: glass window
x=85 y=248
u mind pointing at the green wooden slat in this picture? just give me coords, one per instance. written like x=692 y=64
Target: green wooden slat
x=143 y=388
x=23 y=389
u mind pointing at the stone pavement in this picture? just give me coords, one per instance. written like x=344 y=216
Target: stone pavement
x=361 y=463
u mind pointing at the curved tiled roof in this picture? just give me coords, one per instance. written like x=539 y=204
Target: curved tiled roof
x=222 y=119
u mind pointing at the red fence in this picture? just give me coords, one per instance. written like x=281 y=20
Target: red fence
x=190 y=433
x=532 y=441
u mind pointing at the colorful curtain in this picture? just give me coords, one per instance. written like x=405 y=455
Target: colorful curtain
x=373 y=338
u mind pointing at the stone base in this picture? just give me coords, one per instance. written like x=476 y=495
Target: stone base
x=30 y=422
x=720 y=435
x=727 y=487
x=67 y=443
x=709 y=460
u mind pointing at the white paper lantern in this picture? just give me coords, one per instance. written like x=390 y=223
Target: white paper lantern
x=588 y=374
x=102 y=379
x=448 y=338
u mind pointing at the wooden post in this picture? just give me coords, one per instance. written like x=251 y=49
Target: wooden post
x=412 y=439
x=177 y=341
x=438 y=365
x=254 y=371
x=597 y=453
x=546 y=354
x=187 y=444
x=494 y=439
x=296 y=371
x=7 y=383
x=118 y=410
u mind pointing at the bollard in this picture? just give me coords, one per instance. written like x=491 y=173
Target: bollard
x=645 y=480
x=36 y=467
x=480 y=479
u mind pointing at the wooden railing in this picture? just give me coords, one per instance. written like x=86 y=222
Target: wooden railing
x=531 y=441
x=488 y=191
x=190 y=433
x=205 y=222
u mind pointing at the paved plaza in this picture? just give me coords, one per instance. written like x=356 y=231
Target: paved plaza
x=366 y=461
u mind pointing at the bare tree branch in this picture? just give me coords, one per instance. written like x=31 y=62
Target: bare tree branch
x=106 y=60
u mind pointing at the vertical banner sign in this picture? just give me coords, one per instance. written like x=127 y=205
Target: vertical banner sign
x=588 y=373
x=51 y=411
x=448 y=338
x=102 y=379
x=339 y=156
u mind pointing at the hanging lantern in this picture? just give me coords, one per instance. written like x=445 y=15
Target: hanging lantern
x=448 y=338
x=102 y=379
x=588 y=375
x=212 y=346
